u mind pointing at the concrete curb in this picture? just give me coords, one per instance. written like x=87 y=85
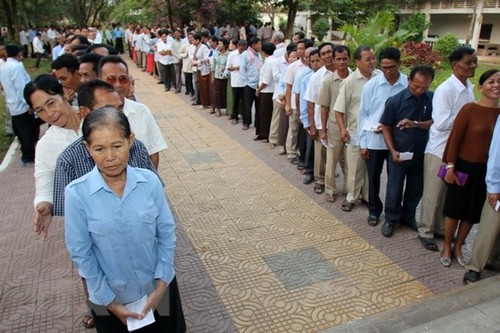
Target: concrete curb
x=9 y=155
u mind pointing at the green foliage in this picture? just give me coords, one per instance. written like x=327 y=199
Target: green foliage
x=282 y=24
x=377 y=31
x=131 y=11
x=416 y=23
x=320 y=28
x=445 y=45
x=237 y=12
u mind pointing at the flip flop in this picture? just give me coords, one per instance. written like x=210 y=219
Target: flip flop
x=429 y=243
x=319 y=188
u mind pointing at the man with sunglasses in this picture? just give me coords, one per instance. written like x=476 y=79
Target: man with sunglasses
x=114 y=70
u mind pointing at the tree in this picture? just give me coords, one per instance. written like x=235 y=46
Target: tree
x=11 y=9
x=84 y=12
x=320 y=28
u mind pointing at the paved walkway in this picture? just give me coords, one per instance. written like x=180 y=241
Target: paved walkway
x=257 y=250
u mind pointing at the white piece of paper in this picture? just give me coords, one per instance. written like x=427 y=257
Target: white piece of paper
x=326 y=144
x=406 y=156
x=370 y=125
x=497 y=206
x=137 y=306
x=353 y=140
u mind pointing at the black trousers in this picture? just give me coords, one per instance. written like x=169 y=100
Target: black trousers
x=38 y=56
x=237 y=98
x=25 y=128
x=167 y=74
x=309 y=155
x=188 y=78
x=400 y=206
x=374 y=166
x=248 y=100
x=178 y=76
x=119 y=45
x=302 y=139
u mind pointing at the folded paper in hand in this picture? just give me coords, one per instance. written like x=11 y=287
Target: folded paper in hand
x=137 y=306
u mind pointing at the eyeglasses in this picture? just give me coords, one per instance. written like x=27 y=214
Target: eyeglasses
x=122 y=79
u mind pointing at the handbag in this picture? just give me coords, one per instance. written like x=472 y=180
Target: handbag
x=461 y=176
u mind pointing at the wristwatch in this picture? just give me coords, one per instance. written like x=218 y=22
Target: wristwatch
x=415 y=123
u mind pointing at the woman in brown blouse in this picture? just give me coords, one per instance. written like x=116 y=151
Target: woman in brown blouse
x=467 y=152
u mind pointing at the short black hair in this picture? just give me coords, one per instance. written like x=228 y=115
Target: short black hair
x=111 y=49
x=105 y=117
x=314 y=52
x=422 y=69
x=68 y=61
x=45 y=82
x=360 y=49
x=83 y=40
x=268 y=48
x=91 y=57
x=391 y=53
x=224 y=42
x=197 y=36
x=13 y=50
x=115 y=59
x=253 y=40
x=341 y=49
x=458 y=53
x=242 y=42
x=307 y=42
x=85 y=93
x=321 y=46
x=300 y=34
x=486 y=75
x=291 y=48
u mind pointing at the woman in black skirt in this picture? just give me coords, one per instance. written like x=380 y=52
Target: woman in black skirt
x=466 y=152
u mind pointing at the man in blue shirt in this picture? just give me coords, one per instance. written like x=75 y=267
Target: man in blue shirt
x=118 y=32
x=405 y=124
x=251 y=63
x=371 y=141
x=488 y=234
x=14 y=78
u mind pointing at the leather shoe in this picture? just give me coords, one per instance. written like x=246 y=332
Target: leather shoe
x=471 y=277
x=308 y=179
x=245 y=127
x=387 y=229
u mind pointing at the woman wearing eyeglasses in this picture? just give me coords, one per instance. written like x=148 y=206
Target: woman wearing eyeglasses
x=46 y=97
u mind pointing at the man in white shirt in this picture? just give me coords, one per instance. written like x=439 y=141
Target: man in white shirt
x=23 y=39
x=58 y=49
x=187 y=66
x=314 y=113
x=165 y=60
x=38 y=49
x=51 y=36
x=176 y=44
x=237 y=84
x=448 y=99
x=114 y=70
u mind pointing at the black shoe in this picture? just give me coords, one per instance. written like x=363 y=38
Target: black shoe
x=300 y=166
x=293 y=160
x=159 y=82
x=471 y=277
x=257 y=138
x=245 y=127
x=308 y=179
x=387 y=229
x=234 y=121
x=186 y=93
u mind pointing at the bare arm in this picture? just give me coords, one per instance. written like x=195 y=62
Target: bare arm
x=155 y=159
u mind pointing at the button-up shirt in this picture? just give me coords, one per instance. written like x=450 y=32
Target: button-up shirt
x=292 y=71
x=14 y=78
x=75 y=161
x=449 y=98
x=120 y=245
x=312 y=92
x=404 y=105
x=234 y=60
x=373 y=98
x=493 y=169
x=251 y=62
x=302 y=82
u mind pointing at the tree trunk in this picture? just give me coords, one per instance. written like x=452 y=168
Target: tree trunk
x=292 y=13
x=12 y=18
x=169 y=10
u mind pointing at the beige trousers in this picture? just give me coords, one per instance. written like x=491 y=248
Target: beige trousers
x=431 y=211
x=334 y=155
x=356 y=181
x=319 y=162
x=487 y=243
x=292 y=138
x=275 y=120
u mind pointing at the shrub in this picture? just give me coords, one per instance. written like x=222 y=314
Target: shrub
x=446 y=44
x=413 y=53
x=320 y=28
x=416 y=23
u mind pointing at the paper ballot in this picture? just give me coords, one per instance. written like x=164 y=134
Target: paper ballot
x=370 y=126
x=326 y=144
x=405 y=156
x=137 y=306
x=497 y=206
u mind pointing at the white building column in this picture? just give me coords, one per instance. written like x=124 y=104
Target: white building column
x=477 y=25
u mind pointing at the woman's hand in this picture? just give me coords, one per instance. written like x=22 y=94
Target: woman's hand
x=450 y=177
x=155 y=297
x=122 y=313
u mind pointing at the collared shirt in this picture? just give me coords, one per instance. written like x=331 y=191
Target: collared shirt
x=48 y=148
x=23 y=38
x=75 y=161
x=449 y=98
x=375 y=94
x=164 y=46
x=251 y=62
x=144 y=125
x=328 y=93
x=57 y=51
x=98 y=37
x=218 y=65
x=493 y=169
x=51 y=34
x=120 y=245
x=404 y=105
x=234 y=60
x=201 y=57
x=349 y=99
x=14 y=78
x=118 y=32
x=293 y=70
x=38 y=45
x=187 y=66
x=312 y=92
x=279 y=70
x=176 y=46
x=266 y=76
x=304 y=78
x=279 y=51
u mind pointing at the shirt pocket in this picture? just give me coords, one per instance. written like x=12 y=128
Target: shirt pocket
x=103 y=234
x=147 y=224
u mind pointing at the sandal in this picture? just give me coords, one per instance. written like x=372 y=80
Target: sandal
x=429 y=244
x=319 y=188
x=372 y=220
x=347 y=206
x=88 y=321
x=331 y=197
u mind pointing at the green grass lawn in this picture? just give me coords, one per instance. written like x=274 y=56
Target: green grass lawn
x=6 y=140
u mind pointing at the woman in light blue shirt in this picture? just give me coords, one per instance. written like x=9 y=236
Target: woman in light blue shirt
x=120 y=231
